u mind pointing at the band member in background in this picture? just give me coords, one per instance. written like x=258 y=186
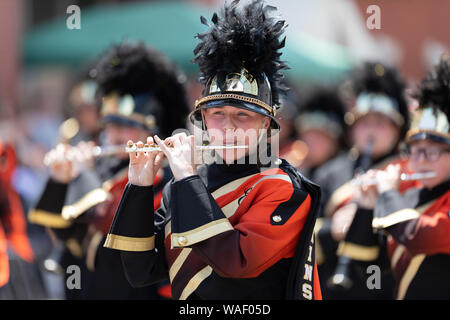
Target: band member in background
x=379 y=120
x=417 y=220
x=13 y=230
x=234 y=228
x=321 y=126
x=84 y=123
x=141 y=94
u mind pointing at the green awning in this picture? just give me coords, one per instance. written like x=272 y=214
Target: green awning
x=170 y=27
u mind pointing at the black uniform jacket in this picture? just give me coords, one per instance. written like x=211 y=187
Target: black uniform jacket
x=230 y=232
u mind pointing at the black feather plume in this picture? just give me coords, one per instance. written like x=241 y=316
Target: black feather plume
x=434 y=90
x=326 y=100
x=133 y=68
x=242 y=37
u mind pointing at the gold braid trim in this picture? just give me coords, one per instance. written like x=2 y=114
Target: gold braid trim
x=258 y=102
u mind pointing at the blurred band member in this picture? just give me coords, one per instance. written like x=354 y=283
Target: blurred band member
x=141 y=94
x=378 y=120
x=417 y=220
x=321 y=126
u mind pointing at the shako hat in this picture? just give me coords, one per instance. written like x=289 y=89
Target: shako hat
x=239 y=60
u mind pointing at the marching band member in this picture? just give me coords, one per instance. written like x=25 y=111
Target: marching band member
x=235 y=228
x=138 y=88
x=417 y=221
x=321 y=126
x=379 y=120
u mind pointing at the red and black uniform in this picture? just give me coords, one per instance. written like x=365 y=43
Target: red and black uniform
x=418 y=224
x=13 y=226
x=81 y=219
x=360 y=243
x=230 y=232
x=364 y=246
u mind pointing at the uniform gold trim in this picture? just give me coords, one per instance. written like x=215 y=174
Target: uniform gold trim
x=218 y=226
x=176 y=265
x=195 y=282
x=409 y=275
x=48 y=219
x=397 y=254
x=233 y=185
x=228 y=210
x=338 y=196
x=91 y=199
x=179 y=240
x=400 y=216
x=320 y=256
x=234 y=96
x=114 y=241
x=74 y=247
x=92 y=248
x=358 y=252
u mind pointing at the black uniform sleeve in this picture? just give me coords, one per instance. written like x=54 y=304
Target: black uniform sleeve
x=138 y=232
x=360 y=243
x=49 y=207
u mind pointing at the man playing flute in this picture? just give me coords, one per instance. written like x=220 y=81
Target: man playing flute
x=141 y=94
x=240 y=227
x=417 y=221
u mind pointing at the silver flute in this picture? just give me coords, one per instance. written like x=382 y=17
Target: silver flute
x=155 y=147
x=112 y=150
x=403 y=177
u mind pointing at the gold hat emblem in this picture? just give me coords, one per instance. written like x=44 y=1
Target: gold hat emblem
x=242 y=82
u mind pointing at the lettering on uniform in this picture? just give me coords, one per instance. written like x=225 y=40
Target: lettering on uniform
x=308 y=272
x=309 y=255
x=307 y=289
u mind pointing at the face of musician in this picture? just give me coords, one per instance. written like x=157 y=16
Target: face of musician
x=426 y=156
x=118 y=134
x=234 y=126
x=88 y=117
x=321 y=146
x=380 y=128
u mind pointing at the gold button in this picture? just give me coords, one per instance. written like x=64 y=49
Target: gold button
x=182 y=241
x=276 y=218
